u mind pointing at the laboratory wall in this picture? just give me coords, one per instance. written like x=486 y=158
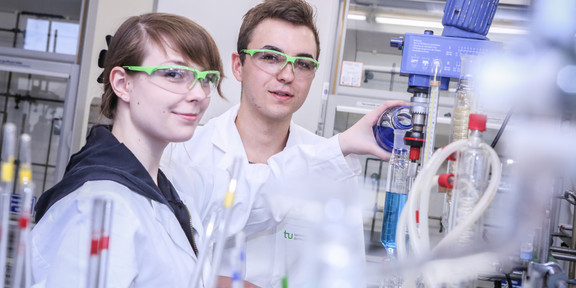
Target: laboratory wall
x=222 y=18
x=102 y=18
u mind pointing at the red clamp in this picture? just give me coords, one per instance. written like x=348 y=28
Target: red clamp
x=446 y=180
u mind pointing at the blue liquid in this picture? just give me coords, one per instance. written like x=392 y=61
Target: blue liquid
x=392 y=209
x=384 y=137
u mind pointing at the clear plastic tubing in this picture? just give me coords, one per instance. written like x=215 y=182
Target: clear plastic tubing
x=397 y=188
x=398 y=117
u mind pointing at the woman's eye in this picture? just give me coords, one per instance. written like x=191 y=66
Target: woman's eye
x=173 y=74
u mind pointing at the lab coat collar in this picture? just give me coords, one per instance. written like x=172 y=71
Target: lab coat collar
x=227 y=138
x=102 y=158
x=225 y=134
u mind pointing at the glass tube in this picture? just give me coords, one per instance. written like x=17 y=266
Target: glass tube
x=463 y=106
x=470 y=180
x=6 y=186
x=396 y=191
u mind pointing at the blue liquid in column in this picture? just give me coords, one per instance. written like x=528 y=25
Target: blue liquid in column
x=384 y=137
x=393 y=206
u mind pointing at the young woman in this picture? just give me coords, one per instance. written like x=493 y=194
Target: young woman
x=159 y=73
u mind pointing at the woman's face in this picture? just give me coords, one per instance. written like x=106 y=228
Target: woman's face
x=157 y=113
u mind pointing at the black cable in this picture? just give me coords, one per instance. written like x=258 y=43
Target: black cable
x=508 y=279
x=501 y=130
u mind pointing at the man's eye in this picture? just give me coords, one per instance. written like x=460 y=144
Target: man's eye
x=304 y=64
x=270 y=57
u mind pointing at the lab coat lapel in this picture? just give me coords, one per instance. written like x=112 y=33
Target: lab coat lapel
x=227 y=139
x=168 y=221
x=226 y=135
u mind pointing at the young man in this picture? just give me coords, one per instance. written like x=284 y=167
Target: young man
x=276 y=61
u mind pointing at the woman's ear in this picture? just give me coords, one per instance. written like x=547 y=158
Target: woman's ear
x=237 y=66
x=120 y=83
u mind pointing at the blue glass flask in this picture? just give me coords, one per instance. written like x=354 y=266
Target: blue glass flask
x=397 y=117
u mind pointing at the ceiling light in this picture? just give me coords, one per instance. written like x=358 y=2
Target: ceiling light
x=504 y=30
x=358 y=17
x=408 y=22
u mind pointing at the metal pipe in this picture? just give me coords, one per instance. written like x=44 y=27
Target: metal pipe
x=572 y=266
x=544 y=238
x=563 y=250
x=564 y=257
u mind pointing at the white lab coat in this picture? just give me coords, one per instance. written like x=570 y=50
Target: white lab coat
x=147 y=245
x=262 y=193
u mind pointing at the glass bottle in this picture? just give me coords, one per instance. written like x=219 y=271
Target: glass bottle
x=398 y=117
x=471 y=174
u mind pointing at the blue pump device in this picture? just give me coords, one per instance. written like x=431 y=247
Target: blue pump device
x=466 y=24
x=428 y=57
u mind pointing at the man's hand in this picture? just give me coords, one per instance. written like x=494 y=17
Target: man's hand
x=359 y=139
x=226 y=282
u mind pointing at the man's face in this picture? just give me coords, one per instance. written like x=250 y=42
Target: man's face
x=275 y=96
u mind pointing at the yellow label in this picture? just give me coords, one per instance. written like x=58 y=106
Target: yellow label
x=25 y=176
x=228 y=200
x=7 y=171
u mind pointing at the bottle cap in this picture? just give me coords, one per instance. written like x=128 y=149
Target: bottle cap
x=477 y=122
x=446 y=180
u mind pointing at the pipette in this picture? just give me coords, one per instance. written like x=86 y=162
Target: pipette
x=23 y=263
x=223 y=227
x=203 y=252
x=7 y=184
x=239 y=260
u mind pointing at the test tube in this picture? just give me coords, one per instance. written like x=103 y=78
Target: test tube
x=105 y=242
x=6 y=186
x=22 y=270
x=94 y=258
x=99 y=243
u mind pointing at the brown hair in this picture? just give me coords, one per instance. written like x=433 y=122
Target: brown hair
x=297 y=12
x=128 y=47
